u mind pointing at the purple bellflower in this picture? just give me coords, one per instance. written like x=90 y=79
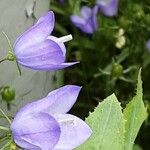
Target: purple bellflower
x=108 y=7
x=38 y=50
x=87 y=20
x=45 y=124
x=148 y=45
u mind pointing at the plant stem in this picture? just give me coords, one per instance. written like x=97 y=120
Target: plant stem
x=19 y=70
x=5 y=116
x=6 y=145
x=8 y=40
x=3 y=60
x=4 y=128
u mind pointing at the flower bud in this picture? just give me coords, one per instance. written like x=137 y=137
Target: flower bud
x=117 y=70
x=8 y=94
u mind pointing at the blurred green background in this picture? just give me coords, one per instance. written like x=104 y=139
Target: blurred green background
x=104 y=67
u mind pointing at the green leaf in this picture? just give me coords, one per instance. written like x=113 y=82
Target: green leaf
x=134 y=114
x=107 y=124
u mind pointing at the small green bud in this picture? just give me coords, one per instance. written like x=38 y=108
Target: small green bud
x=117 y=70
x=10 y=56
x=8 y=94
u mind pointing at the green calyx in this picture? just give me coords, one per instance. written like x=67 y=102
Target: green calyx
x=117 y=70
x=10 y=56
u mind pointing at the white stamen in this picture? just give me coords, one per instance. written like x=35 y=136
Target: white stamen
x=64 y=38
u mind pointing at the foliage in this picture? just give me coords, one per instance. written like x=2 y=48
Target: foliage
x=114 y=129
x=104 y=67
x=108 y=126
x=110 y=58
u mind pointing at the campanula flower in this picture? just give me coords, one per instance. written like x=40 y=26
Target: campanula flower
x=148 y=45
x=38 y=50
x=108 y=7
x=87 y=20
x=46 y=125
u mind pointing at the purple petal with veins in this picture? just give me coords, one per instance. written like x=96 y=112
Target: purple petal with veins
x=38 y=50
x=44 y=124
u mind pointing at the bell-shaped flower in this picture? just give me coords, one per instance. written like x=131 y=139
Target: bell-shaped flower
x=37 y=50
x=87 y=20
x=45 y=124
x=108 y=7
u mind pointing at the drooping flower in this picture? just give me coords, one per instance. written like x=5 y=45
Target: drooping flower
x=148 y=45
x=38 y=50
x=87 y=20
x=45 y=124
x=108 y=7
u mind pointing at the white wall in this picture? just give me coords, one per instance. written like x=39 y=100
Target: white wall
x=15 y=17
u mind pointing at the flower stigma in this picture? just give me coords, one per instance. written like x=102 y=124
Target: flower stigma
x=65 y=38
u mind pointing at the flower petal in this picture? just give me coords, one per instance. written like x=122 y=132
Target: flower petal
x=58 y=101
x=74 y=132
x=55 y=67
x=24 y=144
x=94 y=18
x=36 y=33
x=86 y=12
x=88 y=27
x=109 y=8
x=46 y=53
x=51 y=67
x=88 y=20
x=61 y=45
x=83 y=25
x=36 y=130
x=63 y=98
x=77 y=21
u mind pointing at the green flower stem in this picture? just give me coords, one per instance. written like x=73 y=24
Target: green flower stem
x=4 y=128
x=10 y=56
x=19 y=70
x=3 y=60
x=5 y=116
x=8 y=40
x=4 y=138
